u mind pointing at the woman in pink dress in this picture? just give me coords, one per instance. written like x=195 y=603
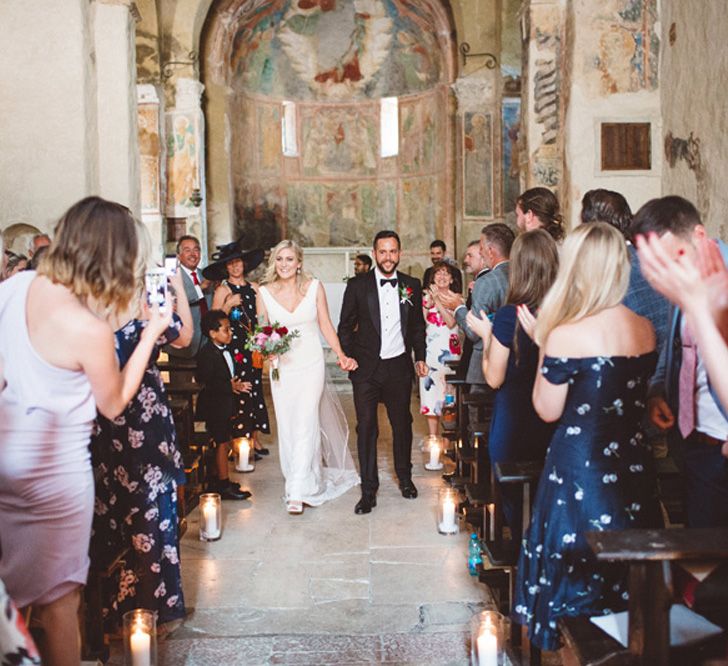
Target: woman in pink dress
x=59 y=367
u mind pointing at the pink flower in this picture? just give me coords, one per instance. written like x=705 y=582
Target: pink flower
x=261 y=339
x=274 y=337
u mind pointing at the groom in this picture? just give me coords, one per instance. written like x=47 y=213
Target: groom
x=381 y=325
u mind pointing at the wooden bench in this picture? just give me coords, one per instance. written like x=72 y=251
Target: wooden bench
x=648 y=553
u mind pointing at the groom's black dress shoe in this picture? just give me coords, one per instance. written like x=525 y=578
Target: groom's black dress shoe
x=365 y=504
x=408 y=489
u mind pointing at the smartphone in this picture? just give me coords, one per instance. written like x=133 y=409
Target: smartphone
x=170 y=264
x=155 y=282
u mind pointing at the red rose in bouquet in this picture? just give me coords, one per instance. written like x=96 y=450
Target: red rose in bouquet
x=267 y=330
x=282 y=330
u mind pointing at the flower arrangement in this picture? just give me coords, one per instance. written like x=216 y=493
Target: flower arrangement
x=271 y=340
x=405 y=294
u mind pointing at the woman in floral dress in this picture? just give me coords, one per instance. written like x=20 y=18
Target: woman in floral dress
x=596 y=359
x=237 y=297
x=138 y=467
x=443 y=344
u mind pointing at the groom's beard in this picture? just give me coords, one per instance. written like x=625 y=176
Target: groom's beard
x=388 y=267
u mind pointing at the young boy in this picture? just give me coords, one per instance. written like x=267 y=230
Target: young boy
x=216 y=371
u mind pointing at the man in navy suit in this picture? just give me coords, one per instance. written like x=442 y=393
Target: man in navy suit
x=382 y=326
x=681 y=397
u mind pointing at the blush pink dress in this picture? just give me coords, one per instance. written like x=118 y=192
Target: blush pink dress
x=46 y=484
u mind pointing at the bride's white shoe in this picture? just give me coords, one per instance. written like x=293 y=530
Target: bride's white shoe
x=294 y=507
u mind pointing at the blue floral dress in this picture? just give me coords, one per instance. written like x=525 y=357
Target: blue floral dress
x=597 y=476
x=138 y=467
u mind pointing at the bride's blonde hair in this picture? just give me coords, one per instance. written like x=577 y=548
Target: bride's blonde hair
x=271 y=275
x=593 y=276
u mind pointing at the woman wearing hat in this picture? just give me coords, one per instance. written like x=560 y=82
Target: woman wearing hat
x=236 y=296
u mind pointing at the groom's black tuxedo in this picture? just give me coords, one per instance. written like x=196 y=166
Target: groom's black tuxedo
x=382 y=380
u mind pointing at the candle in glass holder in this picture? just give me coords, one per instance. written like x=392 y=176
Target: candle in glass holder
x=242 y=459
x=447 y=521
x=210 y=517
x=140 y=648
x=434 y=454
x=486 y=638
x=491 y=521
x=488 y=646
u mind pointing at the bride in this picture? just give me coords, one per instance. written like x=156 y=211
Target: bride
x=312 y=428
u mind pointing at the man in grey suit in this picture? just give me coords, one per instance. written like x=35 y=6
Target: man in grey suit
x=196 y=288
x=489 y=292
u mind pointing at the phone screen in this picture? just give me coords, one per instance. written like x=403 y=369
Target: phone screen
x=155 y=282
x=170 y=264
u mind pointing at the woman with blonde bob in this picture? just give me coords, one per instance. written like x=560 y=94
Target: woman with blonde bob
x=311 y=425
x=60 y=367
x=596 y=357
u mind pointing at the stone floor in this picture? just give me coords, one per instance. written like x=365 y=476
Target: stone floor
x=328 y=586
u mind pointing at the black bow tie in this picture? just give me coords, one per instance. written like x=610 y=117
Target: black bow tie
x=383 y=281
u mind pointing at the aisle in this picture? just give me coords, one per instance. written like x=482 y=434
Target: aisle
x=327 y=587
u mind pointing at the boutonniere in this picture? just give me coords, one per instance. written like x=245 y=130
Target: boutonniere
x=405 y=295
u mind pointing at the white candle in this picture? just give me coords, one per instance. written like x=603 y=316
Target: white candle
x=210 y=520
x=491 y=522
x=243 y=455
x=488 y=647
x=141 y=647
x=434 y=455
x=448 y=515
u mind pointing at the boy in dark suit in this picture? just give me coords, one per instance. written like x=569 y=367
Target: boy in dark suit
x=216 y=371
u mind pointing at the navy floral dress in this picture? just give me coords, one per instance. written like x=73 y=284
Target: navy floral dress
x=138 y=467
x=597 y=476
x=251 y=412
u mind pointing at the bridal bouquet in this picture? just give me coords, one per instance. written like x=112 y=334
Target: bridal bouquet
x=271 y=340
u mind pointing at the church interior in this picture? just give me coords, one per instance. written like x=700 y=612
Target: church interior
x=325 y=121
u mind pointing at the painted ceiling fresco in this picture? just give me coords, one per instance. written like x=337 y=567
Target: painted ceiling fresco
x=337 y=49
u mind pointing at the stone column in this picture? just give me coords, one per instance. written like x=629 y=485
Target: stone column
x=478 y=141
x=186 y=160
x=113 y=30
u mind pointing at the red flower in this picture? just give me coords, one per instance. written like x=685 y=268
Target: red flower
x=408 y=291
x=282 y=330
x=267 y=330
x=424 y=410
x=455 y=347
x=239 y=357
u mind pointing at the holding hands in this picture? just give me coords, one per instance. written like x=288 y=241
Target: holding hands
x=346 y=363
x=421 y=369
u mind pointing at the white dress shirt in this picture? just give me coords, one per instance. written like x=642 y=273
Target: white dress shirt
x=198 y=288
x=391 y=324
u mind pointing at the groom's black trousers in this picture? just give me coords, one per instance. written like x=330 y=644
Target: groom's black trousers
x=390 y=383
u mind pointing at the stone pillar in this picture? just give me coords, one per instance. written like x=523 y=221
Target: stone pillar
x=186 y=160
x=478 y=141
x=116 y=102
x=151 y=143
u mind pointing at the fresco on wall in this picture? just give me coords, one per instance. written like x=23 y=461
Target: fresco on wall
x=626 y=46
x=511 y=125
x=372 y=48
x=258 y=213
x=419 y=211
x=150 y=152
x=182 y=159
x=268 y=132
x=339 y=141
x=419 y=122
x=345 y=214
x=477 y=164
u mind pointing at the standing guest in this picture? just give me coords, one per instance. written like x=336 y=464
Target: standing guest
x=138 y=469
x=196 y=289
x=60 y=367
x=15 y=264
x=362 y=264
x=474 y=265
x=612 y=208
x=237 y=298
x=596 y=359
x=517 y=433
x=681 y=394
x=437 y=255
x=538 y=208
x=442 y=343
x=38 y=241
x=218 y=372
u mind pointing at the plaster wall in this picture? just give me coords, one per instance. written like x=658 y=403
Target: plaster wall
x=694 y=78
x=49 y=156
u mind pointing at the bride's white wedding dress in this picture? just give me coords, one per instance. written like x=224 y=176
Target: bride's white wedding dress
x=312 y=428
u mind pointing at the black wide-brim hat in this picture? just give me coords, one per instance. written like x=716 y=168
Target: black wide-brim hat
x=217 y=270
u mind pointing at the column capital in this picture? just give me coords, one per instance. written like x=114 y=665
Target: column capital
x=187 y=94
x=476 y=90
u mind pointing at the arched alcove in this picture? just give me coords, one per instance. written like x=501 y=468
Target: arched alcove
x=334 y=61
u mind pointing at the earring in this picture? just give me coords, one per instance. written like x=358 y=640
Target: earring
x=298 y=271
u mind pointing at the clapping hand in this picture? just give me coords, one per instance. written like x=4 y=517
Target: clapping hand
x=347 y=364
x=239 y=386
x=526 y=319
x=450 y=299
x=482 y=327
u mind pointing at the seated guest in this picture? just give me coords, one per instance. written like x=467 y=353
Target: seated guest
x=218 y=372
x=538 y=208
x=612 y=208
x=138 y=469
x=362 y=264
x=37 y=242
x=517 y=434
x=437 y=255
x=596 y=358
x=442 y=343
x=60 y=367
x=680 y=393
